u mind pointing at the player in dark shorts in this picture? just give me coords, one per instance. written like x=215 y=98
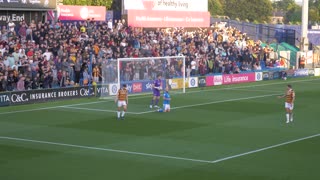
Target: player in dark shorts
x=156 y=87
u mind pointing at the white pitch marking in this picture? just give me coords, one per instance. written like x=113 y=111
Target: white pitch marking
x=97 y=110
x=102 y=149
x=158 y=155
x=216 y=102
x=264 y=149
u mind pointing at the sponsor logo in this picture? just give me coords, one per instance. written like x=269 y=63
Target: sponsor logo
x=311 y=72
x=265 y=76
x=68 y=93
x=102 y=90
x=114 y=89
x=217 y=80
x=148 y=86
x=19 y=98
x=270 y=75
x=231 y=79
x=301 y=72
x=174 y=85
x=129 y=88
x=239 y=78
x=4 y=98
x=202 y=81
x=137 y=87
x=43 y=95
x=276 y=75
x=259 y=76
x=86 y=92
x=192 y=82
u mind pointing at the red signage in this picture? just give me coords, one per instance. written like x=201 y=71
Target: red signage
x=209 y=80
x=136 y=87
x=76 y=13
x=150 y=18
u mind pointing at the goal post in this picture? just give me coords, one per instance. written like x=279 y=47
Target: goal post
x=139 y=73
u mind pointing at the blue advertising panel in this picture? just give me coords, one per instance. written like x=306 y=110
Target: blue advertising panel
x=276 y=75
x=301 y=73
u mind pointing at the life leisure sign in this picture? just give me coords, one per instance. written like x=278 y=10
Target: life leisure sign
x=33 y=5
x=167 y=13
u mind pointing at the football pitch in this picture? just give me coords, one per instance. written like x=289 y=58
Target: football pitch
x=230 y=132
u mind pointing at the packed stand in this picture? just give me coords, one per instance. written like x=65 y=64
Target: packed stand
x=43 y=55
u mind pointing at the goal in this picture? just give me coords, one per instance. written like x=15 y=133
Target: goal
x=138 y=73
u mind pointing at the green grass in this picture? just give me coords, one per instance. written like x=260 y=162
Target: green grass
x=81 y=139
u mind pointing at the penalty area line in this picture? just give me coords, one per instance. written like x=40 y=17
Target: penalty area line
x=101 y=149
x=156 y=155
x=264 y=149
x=97 y=110
x=215 y=102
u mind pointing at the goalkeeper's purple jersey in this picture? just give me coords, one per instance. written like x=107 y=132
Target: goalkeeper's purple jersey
x=157 y=84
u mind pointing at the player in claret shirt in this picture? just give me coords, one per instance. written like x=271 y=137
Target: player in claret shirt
x=289 y=96
x=122 y=100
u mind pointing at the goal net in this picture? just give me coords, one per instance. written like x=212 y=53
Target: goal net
x=139 y=73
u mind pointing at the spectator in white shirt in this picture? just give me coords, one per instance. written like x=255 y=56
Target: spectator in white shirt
x=11 y=25
x=47 y=54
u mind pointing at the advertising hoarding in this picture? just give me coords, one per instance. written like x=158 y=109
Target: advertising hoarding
x=4 y=99
x=76 y=13
x=193 y=82
x=259 y=76
x=317 y=72
x=167 y=13
x=238 y=78
x=43 y=95
x=113 y=89
x=301 y=73
x=167 y=5
x=141 y=18
x=176 y=83
x=209 y=80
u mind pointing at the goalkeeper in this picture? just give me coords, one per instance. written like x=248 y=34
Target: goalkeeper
x=156 y=86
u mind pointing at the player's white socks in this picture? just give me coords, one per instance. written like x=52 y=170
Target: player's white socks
x=118 y=114
x=291 y=117
x=123 y=113
x=288 y=117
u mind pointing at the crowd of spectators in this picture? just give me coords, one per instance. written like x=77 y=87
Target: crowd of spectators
x=46 y=55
